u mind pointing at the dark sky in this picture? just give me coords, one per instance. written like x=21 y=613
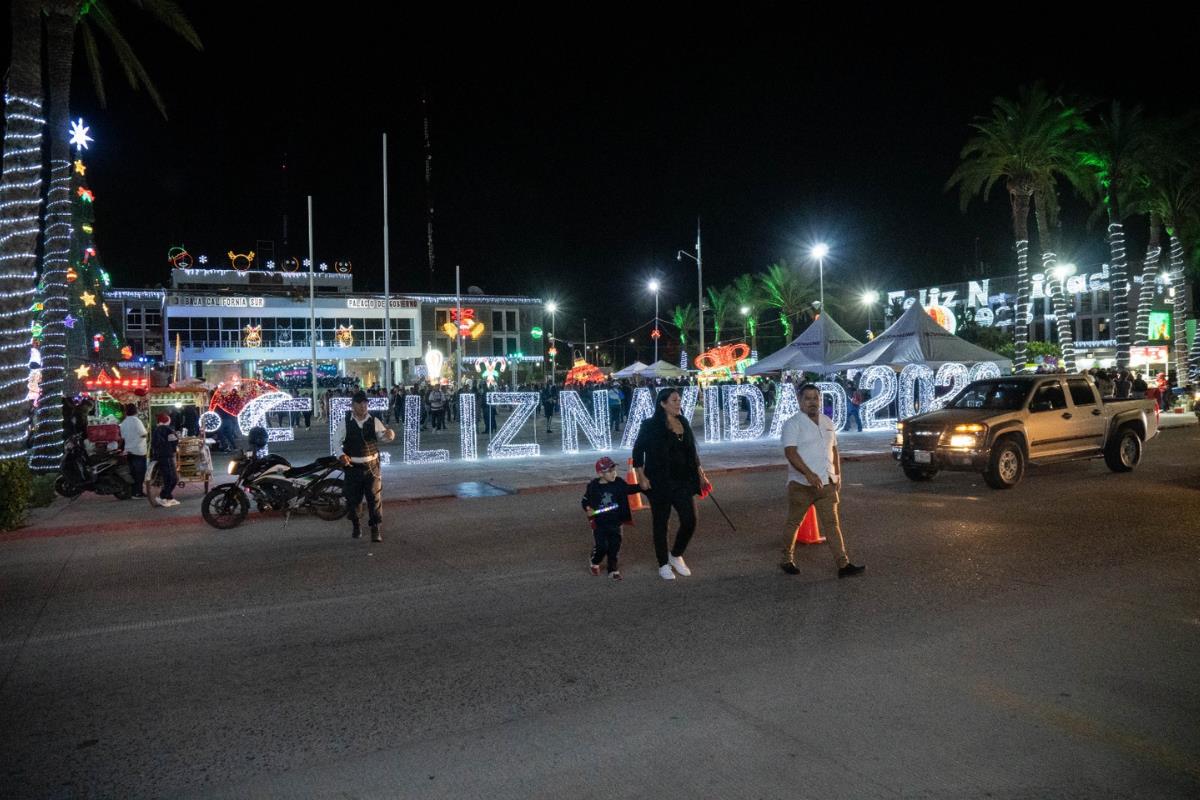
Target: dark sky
x=572 y=158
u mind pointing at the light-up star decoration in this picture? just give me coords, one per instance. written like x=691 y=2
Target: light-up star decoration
x=83 y=372
x=69 y=321
x=271 y=264
x=324 y=267
x=80 y=168
x=203 y=259
x=88 y=299
x=79 y=134
x=307 y=263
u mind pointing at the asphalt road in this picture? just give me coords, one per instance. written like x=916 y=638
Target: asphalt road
x=1037 y=643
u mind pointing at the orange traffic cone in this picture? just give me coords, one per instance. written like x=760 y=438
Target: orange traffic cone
x=636 y=503
x=808 y=532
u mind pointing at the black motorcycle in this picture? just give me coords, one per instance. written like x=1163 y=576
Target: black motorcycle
x=102 y=473
x=275 y=485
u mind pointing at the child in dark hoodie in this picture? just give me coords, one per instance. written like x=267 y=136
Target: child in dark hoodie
x=606 y=503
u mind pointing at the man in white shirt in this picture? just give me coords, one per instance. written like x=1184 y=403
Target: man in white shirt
x=133 y=432
x=814 y=475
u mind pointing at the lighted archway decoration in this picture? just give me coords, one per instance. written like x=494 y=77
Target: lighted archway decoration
x=231 y=396
x=725 y=358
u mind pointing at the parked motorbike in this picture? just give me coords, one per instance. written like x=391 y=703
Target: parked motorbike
x=102 y=473
x=275 y=485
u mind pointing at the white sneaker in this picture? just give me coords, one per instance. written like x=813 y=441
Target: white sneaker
x=665 y=572
x=680 y=567
x=168 y=503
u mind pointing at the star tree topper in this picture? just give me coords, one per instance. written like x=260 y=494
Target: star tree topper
x=79 y=134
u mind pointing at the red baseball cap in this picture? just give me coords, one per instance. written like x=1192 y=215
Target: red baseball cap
x=605 y=464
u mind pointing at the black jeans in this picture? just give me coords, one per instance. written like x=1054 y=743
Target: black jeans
x=662 y=499
x=137 y=469
x=364 y=481
x=608 y=545
x=170 y=477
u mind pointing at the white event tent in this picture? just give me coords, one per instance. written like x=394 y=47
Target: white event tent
x=915 y=338
x=822 y=344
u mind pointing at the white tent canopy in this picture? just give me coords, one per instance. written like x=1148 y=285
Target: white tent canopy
x=661 y=369
x=820 y=346
x=632 y=370
x=915 y=338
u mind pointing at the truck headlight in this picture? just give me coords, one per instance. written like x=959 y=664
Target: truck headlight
x=964 y=440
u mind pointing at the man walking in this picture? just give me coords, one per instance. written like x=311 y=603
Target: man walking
x=360 y=456
x=814 y=474
x=163 y=446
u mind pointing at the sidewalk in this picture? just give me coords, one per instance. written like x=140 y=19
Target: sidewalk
x=407 y=483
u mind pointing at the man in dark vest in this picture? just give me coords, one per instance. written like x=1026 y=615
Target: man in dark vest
x=360 y=456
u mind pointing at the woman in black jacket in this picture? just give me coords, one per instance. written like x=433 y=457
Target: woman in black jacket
x=668 y=470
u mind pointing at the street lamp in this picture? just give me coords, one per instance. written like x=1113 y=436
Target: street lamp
x=699 y=259
x=819 y=251
x=654 y=286
x=869 y=299
x=552 y=307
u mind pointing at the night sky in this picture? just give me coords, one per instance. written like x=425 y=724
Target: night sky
x=572 y=160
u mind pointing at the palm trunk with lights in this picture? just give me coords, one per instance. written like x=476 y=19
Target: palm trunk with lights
x=1019 y=196
x=1141 y=333
x=1054 y=283
x=1187 y=362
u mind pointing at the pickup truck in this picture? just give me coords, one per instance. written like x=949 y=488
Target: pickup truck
x=1000 y=425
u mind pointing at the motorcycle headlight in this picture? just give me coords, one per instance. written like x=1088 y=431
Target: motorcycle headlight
x=233 y=465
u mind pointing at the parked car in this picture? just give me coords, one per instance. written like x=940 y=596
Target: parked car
x=1000 y=425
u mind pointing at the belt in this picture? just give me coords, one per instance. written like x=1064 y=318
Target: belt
x=363 y=460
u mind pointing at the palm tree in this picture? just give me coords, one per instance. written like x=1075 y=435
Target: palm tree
x=1116 y=152
x=63 y=19
x=783 y=289
x=20 y=196
x=718 y=304
x=684 y=319
x=744 y=293
x=1027 y=143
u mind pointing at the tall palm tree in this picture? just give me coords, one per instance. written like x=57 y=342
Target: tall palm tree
x=744 y=293
x=20 y=196
x=684 y=318
x=784 y=290
x=91 y=20
x=1175 y=198
x=1028 y=144
x=1116 y=151
x=718 y=304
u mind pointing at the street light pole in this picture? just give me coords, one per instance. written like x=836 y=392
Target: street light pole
x=699 y=259
x=654 y=288
x=819 y=251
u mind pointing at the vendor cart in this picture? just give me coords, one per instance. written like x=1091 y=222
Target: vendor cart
x=193 y=462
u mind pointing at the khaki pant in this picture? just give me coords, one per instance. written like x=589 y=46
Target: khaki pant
x=826 y=500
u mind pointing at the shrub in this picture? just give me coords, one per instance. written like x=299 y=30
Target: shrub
x=42 y=491
x=17 y=481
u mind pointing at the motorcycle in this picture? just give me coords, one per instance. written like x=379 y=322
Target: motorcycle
x=103 y=473
x=275 y=485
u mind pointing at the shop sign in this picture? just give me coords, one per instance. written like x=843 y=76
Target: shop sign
x=368 y=302
x=229 y=302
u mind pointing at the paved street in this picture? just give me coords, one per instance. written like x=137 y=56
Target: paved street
x=1037 y=643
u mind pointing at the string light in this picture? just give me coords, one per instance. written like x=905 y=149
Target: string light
x=879 y=400
x=339 y=407
x=575 y=417
x=1021 y=317
x=983 y=371
x=641 y=408
x=954 y=375
x=712 y=414
x=413 y=454
x=210 y=422
x=915 y=379
x=687 y=402
x=838 y=402
x=786 y=407
x=734 y=432
x=467 y=427
x=526 y=404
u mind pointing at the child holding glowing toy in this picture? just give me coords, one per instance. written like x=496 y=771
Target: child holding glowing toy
x=606 y=503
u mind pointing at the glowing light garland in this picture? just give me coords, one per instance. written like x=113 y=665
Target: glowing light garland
x=915 y=379
x=688 y=396
x=983 y=371
x=413 y=454
x=575 y=417
x=1120 y=292
x=954 y=376
x=1063 y=324
x=210 y=422
x=731 y=396
x=879 y=400
x=712 y=414
x=339 y=407
x=526 y=404
x=641 y=408
x=468 y=429
x=838 y=402
x=1187 y=361
x=1021 y=314
x=787 y=405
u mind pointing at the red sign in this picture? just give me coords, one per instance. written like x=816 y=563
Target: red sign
x=1148 y=355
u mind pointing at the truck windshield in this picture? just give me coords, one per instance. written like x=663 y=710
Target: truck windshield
x=994 y=395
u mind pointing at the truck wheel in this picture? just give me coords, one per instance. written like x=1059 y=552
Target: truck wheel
x=1124 y=452
x=919 y=473
x=1006 y=466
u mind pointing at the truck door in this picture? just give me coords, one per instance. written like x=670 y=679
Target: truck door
x=1087 y=414
x=1048 y=425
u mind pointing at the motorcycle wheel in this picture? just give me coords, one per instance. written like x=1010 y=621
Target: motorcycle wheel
x=329 y=500
x=66 y=488
x=225 y=507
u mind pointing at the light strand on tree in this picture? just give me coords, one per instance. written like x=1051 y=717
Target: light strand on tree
x=413 y=454
x=1063 y=321
x=1141 y=330
x=756 y=424
x=837 y=402
x=1120 y=292
x=1187 y=361
x=916 y=390
x=526 y=405
x=953 y=375
x=1021 y=316
x=787 y=405
x=712 y=414
x=880 y=400
x=641 y=409
x=595 y=426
